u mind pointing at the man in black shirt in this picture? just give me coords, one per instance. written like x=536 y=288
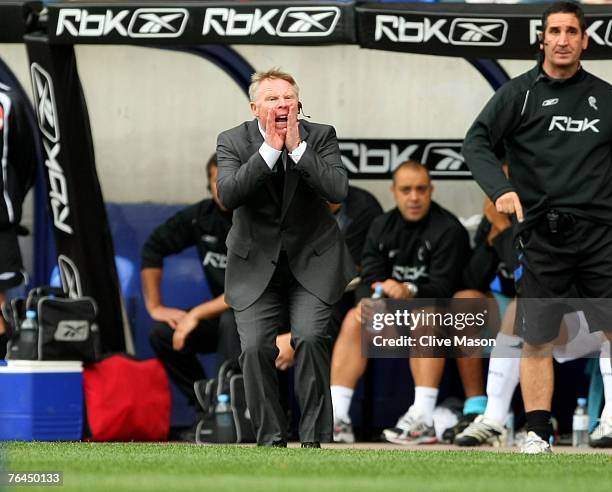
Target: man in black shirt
x=555 y=127
x=177 y=335
x=17 y=172
x=415 y=250
x=11 y=274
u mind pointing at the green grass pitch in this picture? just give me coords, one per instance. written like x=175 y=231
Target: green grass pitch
x=134 y=467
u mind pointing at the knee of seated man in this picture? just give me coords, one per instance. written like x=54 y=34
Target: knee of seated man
x=160 y=334
x=469 y=294
x=227 y=319
x=351 y=323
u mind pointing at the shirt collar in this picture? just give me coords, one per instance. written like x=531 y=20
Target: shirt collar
x=542 y=75
x=261 y=130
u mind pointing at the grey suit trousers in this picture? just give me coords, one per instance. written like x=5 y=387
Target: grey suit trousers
x=285 y=300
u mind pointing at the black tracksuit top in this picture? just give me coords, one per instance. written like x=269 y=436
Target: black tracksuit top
x=203 y=225
x=557 y=138
x=431 y=253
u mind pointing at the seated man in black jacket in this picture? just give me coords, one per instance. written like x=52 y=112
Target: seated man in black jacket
x=415 y=250
x=178 y=335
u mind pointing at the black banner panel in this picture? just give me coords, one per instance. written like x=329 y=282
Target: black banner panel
x=470 y=31
x=377 y=159
x=82 y=236
x=13 y=17
x=256 y=22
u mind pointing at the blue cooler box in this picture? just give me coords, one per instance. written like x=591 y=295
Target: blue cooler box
x=41 y=400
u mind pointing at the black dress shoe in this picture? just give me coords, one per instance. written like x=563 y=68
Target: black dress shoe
x=279 y=444
x=314 y=444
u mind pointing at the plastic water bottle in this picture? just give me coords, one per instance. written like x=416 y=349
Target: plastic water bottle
x=580 y=425
x=224 y=419
x=25 y=347
x=379 y=293
x=510 y=429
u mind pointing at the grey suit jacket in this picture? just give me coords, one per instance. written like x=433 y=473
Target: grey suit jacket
x=300 y=223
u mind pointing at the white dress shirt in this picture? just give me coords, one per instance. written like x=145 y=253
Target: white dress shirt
x=271 y=155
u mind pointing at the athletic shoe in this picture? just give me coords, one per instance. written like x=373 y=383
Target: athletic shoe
x=451 y=433
x=411 y=429
x=535 y=445
x=482 y=431
x=343 y=432
x=601 y=437
x=520 y=438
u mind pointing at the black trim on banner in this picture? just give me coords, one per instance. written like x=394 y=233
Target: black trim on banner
x=15 y=18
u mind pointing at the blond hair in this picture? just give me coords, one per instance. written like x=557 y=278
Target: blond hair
x=274 y=73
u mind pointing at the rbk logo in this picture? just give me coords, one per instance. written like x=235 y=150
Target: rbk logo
x=46 y=108
x=160 y=22
x=215 y=260
x=294 y=21
x=462 y=31
x=452 y=160
x=72 y=331
x=308 y=21
x=408 y=273
x=550 y=102
x=567 y=124
x=207 y=238
x=445 y=158
x=481 y=32
x=424 y=251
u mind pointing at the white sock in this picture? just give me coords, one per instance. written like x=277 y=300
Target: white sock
x=503 y=377
x=341 y=401
x=502 y=380
x=425 y=401
x=606 y=374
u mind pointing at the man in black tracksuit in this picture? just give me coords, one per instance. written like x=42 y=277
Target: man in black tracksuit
x=17 y=171
x=177 y=335
x=415 y=250
x=555 y=126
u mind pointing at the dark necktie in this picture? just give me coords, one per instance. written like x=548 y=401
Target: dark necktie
x=279 y=176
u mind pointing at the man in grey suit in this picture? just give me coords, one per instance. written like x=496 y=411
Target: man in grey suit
x=287 y=261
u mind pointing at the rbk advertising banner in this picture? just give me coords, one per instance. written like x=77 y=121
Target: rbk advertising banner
x=377 y=159
x=470 y=31
x=255 y=22
x=82 y=236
